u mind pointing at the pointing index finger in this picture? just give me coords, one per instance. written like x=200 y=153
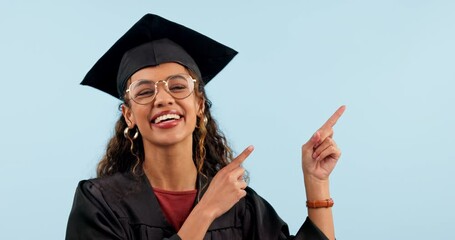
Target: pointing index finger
x=334 y=118
x=241 y=157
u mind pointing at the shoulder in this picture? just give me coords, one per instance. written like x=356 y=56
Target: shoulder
x=261 y=220
x=110 y=188
x=257 y=204
x=250 y=192
x=259 y=207
x=97 y=208
x=116 y=193
x=118 y=179
x=252 y=197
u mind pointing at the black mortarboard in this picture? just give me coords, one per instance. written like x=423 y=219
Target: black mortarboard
x=151 y=41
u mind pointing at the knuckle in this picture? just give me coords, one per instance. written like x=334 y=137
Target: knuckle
x=244 y=185
x=232 y=178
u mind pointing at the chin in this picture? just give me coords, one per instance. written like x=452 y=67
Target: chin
x=167 y=141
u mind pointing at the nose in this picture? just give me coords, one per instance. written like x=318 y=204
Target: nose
x=162 y=98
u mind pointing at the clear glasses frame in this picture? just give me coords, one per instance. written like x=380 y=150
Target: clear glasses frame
x=179 y=86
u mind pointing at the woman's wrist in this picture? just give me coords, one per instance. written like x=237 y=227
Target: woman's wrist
x=197 y=223
x=316 y=189
x=203 y=212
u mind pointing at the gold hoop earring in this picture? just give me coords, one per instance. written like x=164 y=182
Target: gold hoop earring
x=131 y=140
x=127 y=134
x=204 y=121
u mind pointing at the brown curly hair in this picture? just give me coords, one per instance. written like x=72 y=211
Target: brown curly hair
x=210 y=149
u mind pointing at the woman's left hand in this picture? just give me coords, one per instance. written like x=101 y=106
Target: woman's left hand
x=320 y=154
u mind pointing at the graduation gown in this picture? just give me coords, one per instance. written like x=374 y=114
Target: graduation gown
x=122 y=206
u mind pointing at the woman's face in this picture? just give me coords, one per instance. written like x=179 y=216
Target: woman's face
x=166 y=120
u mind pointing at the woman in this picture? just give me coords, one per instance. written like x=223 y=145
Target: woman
x=168 y=172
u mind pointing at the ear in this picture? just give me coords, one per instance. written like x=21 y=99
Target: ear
x=201 y=107
x=128 y=115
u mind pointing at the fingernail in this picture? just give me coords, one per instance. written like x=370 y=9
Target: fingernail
x=250 y=148
x=315 y=155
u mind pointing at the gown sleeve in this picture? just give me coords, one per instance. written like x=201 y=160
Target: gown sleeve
x=262 y=222
x=91 y=217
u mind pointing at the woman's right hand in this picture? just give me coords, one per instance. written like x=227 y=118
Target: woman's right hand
x=226 y=188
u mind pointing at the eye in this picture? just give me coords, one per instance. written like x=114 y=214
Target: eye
x=177 y=87
x=143 y=93
x=178 y=84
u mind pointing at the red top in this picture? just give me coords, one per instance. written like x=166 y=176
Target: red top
x=176 y=205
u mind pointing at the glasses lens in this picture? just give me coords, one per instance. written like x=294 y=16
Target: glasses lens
x=180 y=86
x=143 y=92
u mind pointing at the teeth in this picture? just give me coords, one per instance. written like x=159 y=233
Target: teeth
x=166 y=117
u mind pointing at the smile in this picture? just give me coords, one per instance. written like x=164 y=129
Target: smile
x=166 y=117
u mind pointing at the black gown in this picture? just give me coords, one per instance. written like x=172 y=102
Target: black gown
x=122 y=206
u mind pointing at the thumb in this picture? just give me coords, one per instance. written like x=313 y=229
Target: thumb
x=314 y=141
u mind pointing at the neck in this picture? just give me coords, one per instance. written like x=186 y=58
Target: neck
x=170 y=167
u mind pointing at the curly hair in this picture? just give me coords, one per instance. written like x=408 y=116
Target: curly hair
x=210 y=149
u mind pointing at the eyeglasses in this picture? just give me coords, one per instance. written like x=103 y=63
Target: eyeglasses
x=179 y=86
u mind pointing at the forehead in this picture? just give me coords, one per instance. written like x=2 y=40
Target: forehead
x=158 y=72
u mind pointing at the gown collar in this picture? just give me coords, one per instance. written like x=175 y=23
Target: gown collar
x=142 y=205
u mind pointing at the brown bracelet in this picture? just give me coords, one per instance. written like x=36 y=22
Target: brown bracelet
x=320 y=203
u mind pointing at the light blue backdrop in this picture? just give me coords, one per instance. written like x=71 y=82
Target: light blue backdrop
x=390 y=61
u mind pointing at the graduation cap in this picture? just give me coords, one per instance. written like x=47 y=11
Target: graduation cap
x=151 y=41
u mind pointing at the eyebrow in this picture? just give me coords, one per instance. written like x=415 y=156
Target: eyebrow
x=144 y=81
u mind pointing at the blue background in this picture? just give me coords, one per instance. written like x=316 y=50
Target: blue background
x=390 y=62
